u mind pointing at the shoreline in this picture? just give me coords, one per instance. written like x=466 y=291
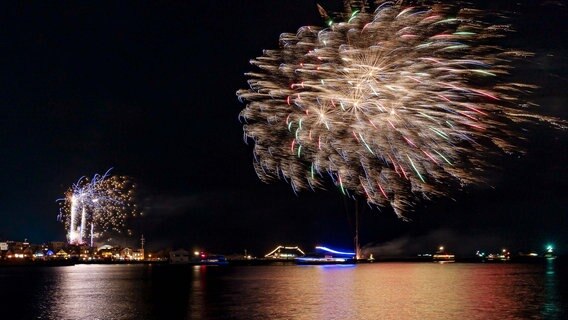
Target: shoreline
x=276 y=262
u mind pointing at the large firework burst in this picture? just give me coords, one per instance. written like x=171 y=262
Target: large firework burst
x=395 y=104
x=96 y=207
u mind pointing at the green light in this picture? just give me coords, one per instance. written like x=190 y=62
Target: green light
x=464 y=33
x=445 y=159
x=487 y=73
x=457 y=46
x=424 y=45
x=415 y=169
x=366 y=145
x=440 y=133
x=341 y=185
x=445 y=21
x=353 y=16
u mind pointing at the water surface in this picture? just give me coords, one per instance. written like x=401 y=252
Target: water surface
x=364 y=291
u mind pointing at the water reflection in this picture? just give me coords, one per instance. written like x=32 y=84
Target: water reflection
x=401 y=291
x=366 y=291
x=551 y=306
x=338 y=291
x=92 y=292
x=198 y=288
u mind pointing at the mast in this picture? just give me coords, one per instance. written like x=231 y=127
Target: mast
x=357 y=247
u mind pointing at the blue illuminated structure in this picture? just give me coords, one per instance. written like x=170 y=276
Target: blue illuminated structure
x=325 y=255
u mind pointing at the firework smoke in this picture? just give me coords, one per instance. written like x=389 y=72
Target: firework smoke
x=402 y=103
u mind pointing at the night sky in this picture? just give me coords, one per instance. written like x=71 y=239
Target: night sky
x=148 y=89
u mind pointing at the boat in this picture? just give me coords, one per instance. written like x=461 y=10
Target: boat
x=442 y=256
x=213 y=260
x=199 y=258
x=324 y=255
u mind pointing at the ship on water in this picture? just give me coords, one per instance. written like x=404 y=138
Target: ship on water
x=325 y=255
x=443 y=256
x=182 y=257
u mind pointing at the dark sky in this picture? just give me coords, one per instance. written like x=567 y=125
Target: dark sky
x=148 y=88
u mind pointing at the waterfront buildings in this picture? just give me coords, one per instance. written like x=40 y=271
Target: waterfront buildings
x=58 y=250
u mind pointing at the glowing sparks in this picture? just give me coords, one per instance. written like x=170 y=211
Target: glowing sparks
x=405 y=102
x=94 y=207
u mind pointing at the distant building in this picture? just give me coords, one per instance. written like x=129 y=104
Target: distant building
x=105 y=247
x=56 y=245
x=3 y=249
x=138 y=255
x=504 y=255
x=108 y=252
x=131 y=254
x=62 y=254
x=179 y=256
x=126 y=254
x=39 y=254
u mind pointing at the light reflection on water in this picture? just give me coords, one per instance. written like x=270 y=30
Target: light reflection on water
x=93 y=292
x=365 y=291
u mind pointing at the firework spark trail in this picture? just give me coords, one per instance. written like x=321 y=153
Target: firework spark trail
x=104 y=202
x=391 y=105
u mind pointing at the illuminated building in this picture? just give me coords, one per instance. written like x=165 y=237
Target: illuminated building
x=62 y=254
x=285 y=253
x=504 y=255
